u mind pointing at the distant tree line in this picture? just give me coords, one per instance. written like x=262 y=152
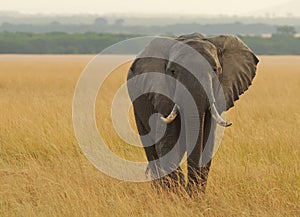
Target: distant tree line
x=58 y=42
x=101 y=25
x=276 y=45
x=93 y=43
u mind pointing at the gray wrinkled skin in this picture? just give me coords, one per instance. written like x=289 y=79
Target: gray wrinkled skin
x=232 y=67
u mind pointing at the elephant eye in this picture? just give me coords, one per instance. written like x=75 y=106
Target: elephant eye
x=171 y=71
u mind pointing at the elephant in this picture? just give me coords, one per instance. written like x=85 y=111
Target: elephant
x=223 y=69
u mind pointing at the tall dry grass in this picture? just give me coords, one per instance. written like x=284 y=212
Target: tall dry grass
x=43 y=172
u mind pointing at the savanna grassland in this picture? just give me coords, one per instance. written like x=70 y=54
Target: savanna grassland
x=256 y=171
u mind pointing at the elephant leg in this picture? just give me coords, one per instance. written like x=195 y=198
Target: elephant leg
x=150 y=151
x=208 y=148
x=194 y=156
x=170 y=162
x=198 y=171
x=142 y=112
x=200 y=157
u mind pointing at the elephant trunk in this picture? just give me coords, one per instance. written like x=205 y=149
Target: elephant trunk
x=208 y=87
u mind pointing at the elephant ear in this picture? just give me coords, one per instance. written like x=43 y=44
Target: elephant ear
x=238 y=66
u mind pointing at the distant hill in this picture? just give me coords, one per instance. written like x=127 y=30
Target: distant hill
x=251 y=25
x=263 y=16
x=236 y=28
x=289 y=9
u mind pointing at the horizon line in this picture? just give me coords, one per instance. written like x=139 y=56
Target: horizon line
x=147 y=15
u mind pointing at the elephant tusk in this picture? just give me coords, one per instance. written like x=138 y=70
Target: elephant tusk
x=217 y=117
x=172 y=115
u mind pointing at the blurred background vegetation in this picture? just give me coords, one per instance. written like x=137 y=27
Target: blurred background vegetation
x=90 y=35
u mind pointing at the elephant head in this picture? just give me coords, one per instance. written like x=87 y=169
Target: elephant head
x=201 y=57
x=233 y=63
x=153 y=59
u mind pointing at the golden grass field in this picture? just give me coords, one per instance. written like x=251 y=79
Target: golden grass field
x=256 y=171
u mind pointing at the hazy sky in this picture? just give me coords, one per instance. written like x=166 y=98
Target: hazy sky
x=197 y=7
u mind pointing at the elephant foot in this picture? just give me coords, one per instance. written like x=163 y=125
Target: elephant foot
x=174 y=181
x=197 y=180
x=194 y=190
